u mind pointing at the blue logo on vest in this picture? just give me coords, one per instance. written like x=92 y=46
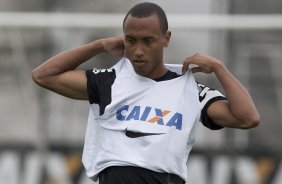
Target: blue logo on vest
x=124 y=114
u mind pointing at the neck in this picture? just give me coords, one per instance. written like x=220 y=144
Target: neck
x=157 y=73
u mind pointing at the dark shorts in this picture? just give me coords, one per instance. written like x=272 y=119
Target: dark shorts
x=136 y=175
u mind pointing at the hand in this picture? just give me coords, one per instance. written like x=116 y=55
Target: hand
x=114 y=46
x=205 y=64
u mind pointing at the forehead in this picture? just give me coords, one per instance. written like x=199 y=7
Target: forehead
x=135 y=26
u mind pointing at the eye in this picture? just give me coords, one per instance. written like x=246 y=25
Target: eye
x=147 y=41
x=130 y=40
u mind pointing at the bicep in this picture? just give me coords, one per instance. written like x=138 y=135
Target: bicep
x=71 y=84
x=220 y=113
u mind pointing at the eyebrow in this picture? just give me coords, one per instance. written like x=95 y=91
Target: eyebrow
x=128 y=36
x=146 y=37
x=149 y=37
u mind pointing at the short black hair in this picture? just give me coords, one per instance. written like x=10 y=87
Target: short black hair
x=146 y=9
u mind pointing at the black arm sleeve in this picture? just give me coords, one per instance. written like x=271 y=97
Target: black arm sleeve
x=206 y=97
x=206 y=120
x=99 y=83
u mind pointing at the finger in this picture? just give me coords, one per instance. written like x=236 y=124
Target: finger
x=196 y=69
x=185 y=67
x=124 y=53
x=186 y=64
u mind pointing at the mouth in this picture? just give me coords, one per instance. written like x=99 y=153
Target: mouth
x=139 y=62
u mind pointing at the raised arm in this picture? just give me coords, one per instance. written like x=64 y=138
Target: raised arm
x=239 y=110
x=59 y=73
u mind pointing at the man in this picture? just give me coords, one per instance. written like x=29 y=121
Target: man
x=144 y=113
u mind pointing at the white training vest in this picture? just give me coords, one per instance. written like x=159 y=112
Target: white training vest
x=165 y=112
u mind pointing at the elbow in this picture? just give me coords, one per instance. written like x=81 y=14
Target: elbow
x=251 y=122
x=37 y=78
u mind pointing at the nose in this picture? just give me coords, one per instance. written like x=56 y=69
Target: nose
x=139 y=50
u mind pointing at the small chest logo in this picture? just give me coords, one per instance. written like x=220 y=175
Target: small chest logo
x=125 y=113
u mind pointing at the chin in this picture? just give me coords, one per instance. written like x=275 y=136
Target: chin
x=140 y=72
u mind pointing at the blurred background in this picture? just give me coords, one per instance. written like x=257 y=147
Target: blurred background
x=42 y=133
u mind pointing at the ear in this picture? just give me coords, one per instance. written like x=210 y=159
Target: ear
x=167 y=38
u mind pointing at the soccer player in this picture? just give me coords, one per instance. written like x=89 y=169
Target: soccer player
x=144 y=113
